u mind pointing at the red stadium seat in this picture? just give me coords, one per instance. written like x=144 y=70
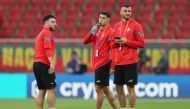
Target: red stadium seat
x=51 y=2
x=25 y=26
x=37 y=2
x=69 y=26
x=88 y=15
x=159 y=21
x=107 y=7
x=149 y=2
x=23 y=2
x=177 y=8
x=185 y=23
x=79 y=15
x=61 y=35
x=109 y=1
x=66 y=3
x=172 y=28
x=90 y=8
x=95 y=2
x=150 y=35
x=28 y=18
x=165 y=2
x=167 y=36
x=75 y=35
x=73 y=14
x=50 y=6
x=181 y=2
x=79 y=2
x=183 y=34
x=9 y=25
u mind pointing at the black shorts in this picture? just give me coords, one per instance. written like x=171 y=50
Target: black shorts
x=102 y=75
x=43 y=78
x=126 y=74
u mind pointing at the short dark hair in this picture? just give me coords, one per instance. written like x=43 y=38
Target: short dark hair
x=108 y=14
x=47 y=17
x=126 y=5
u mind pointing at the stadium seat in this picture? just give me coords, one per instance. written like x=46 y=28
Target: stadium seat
x=150 y=35
x=109 y=2
x=107 y=7
x=39 y=2
x=185 y=23
x=79 y=2
x=23 y=2
x=172 y=28
x=183 y=34
x=177 y=8
x=149 y=2
x=181 y=2
x=165 y=2
x=61 y=35
x=51 y=2
x=167 y=36
x=66 y=3
x=76 y=14
x=69 y=26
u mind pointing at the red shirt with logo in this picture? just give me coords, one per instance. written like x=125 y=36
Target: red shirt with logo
x=44 y=46
x=101 y=46
x=127 y=53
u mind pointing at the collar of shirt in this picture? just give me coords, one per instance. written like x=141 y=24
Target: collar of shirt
x=102 y=30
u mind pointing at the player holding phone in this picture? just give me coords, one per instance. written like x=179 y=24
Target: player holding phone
x=128 y=35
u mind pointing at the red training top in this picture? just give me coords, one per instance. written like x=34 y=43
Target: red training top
x=44 y=46
x=101 y=45
x=127 y=53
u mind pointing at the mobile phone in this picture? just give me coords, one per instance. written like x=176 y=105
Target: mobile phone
x=117 y=37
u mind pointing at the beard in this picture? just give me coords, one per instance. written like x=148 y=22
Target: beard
x=52 y=29
x=126 y=17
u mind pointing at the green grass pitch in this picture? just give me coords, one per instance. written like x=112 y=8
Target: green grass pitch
x=90 y=104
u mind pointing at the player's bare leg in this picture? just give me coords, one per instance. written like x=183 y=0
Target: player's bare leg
x=121 y=96
x=110 y=97
x=40 y=99
x=51 y=98
x=100 y=97
x=132 y=96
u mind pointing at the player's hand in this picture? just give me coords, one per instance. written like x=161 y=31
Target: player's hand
x=111 y=72
x=95 y=27
x=51 y=69
x=117 y=41
x=123 y=40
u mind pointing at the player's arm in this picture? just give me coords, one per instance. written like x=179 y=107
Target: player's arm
x=112 y=68
x=90 y=37
x=52 y=65
x=111 y=44
x=139 y=38
x=138 y=41
x=49 y=52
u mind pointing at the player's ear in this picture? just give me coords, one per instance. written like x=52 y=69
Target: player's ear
x=108 y=19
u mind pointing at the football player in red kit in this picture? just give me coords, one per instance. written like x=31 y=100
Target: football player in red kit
x=128 y=35
x=100 y=37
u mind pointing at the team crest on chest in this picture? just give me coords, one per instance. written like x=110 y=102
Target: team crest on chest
x=128 y=29
x=102 y=36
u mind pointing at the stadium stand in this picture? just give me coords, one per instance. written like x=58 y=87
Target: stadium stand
x=168 y=19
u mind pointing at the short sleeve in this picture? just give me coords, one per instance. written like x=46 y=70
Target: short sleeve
x=47 y=41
